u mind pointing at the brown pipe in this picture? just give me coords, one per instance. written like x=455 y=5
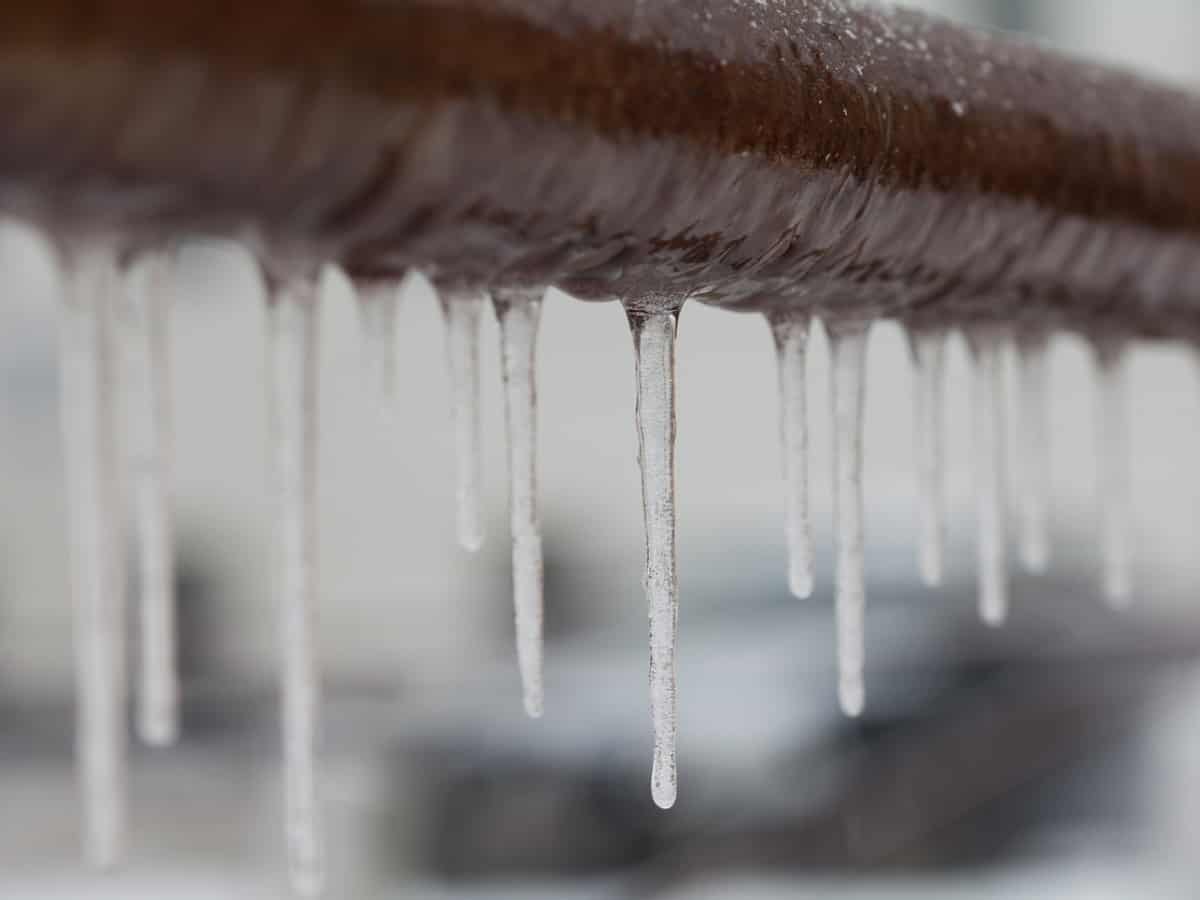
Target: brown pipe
x=748 y=153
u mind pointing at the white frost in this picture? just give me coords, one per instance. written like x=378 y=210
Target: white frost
x=519 y=313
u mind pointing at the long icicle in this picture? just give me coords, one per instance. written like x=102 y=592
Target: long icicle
x=87 y=381
x=1034 y=448
x=791 y=346
x=848 y=345
x=147 y=389
x=654 y=346
x=987 y=348
x=928 y=348
x=378 y=303
x=463 y=312
x=519 y=313
x=293 y=348
x=1113 y=482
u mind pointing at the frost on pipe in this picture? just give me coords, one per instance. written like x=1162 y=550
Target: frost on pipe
x=88 y=382
x=292 y=297
x=791 y=348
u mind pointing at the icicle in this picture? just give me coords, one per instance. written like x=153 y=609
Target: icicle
x=94 y=522
x=654 y=347
x=519 y=313
x=791 y=345
x=1033 y=357
x=147 y=388
x=462 y=311
x=293 y=348
x=928 y=353
x=848 y=345
x=378 y=301
x=987 y=348
x=1116 y=507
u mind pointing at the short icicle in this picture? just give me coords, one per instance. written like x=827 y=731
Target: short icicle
x=463 y=310
x=88 y=384
x=1033 y=357
x=791 y=345
x=293 y=349
x=928 y=348
x=987 y=345
x=653 y=327
x=519 y=313
x=848 y=345
x=147 y=386
x=1113 y=481
x=378 y=302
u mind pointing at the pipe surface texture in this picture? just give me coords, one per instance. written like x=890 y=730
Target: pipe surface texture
x=749 y=154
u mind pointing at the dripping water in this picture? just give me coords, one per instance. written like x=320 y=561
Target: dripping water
x=378 y=302
x=791 y=346
x=987 y=349
x=1034 y=449
x=292 y=349
x=87 y=379
x=146 y=317
x=848 y=345
x=463 y=313
x=928 y=348
x=1113 y=487
x=519 y=313
x=654 y=348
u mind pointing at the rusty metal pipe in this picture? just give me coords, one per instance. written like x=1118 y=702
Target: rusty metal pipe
x=753 y=154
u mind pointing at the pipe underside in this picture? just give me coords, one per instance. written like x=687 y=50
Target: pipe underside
x=752 y=155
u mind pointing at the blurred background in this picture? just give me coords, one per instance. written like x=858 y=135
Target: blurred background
x=1058 y=758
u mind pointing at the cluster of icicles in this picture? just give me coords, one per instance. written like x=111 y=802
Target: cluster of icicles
x=115 y=309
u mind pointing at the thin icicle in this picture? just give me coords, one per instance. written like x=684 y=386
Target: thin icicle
x=519 y=313
x=462 y=311
x=147 y=390
x=1116 y=506
x=928 y=349
x=1034 y=448
x=987 y=348
x=654 y=347
x=87 y=381
x=293 y=347
x=378 y=302
x=848 y=346
x=791 y=345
